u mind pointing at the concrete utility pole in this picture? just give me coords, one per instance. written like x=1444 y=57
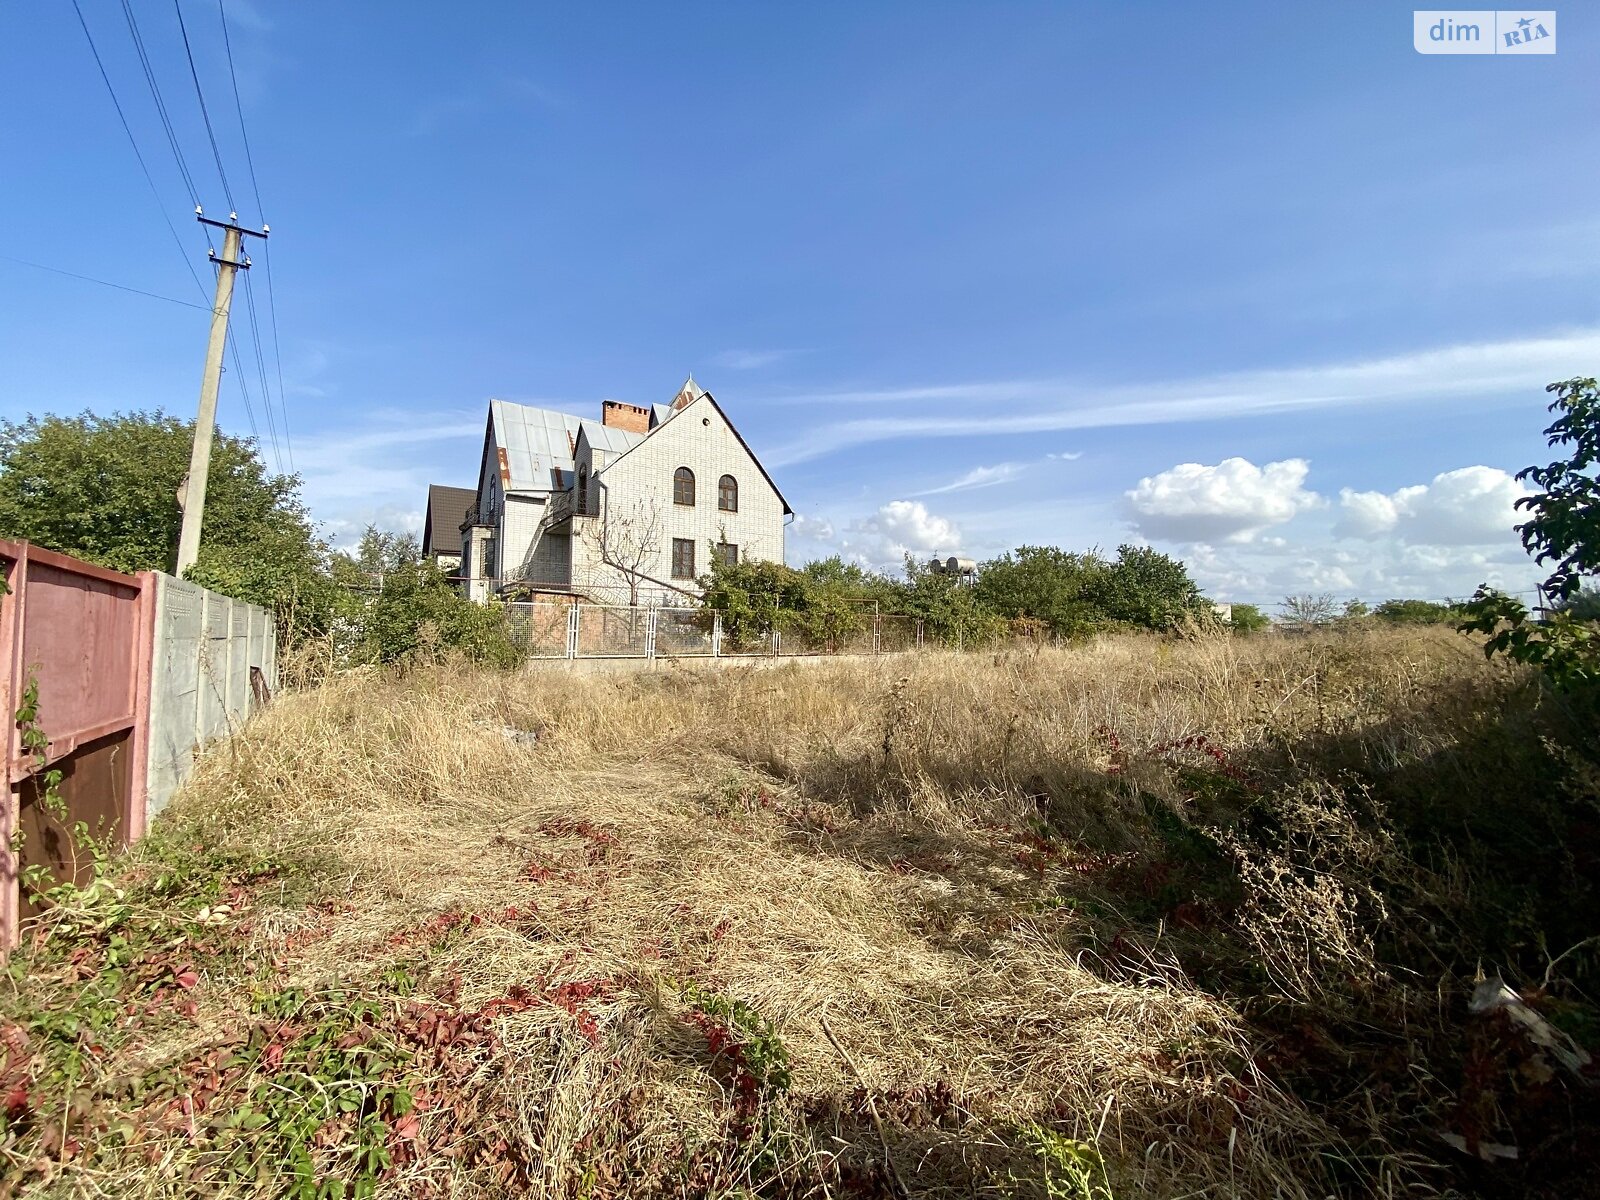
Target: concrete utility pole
x=193 y=500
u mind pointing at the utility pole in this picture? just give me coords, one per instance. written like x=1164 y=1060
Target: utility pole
x=193 y=500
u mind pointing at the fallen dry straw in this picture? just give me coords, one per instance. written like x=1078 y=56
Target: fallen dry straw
x=662 y=904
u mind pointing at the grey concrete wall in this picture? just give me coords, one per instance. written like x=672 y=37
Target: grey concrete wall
x=203 y=647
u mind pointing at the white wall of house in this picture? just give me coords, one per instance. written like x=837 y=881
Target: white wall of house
x=530 y=553
x=699 y=438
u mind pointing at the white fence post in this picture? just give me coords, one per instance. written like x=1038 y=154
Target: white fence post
x=650 y=633
x=716 y=635
x=572 y=630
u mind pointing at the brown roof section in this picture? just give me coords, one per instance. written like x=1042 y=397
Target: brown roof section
x=447 y=509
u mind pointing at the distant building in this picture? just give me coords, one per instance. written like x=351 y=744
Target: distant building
x=627 y=509
x=441 y=526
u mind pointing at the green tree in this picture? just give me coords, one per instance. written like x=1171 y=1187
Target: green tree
x=1147 y=588
x=105 y=489
x=754 y=597
x=1564 y=530
x=1582 y=605
x=1076 y=594
x=418 y=613
x=1247 y=618
x=856 y=581
x=1046 y=583
x=952 y=613
x=1417 y=612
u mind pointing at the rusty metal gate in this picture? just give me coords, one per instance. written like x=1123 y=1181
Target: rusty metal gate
x=78 y=636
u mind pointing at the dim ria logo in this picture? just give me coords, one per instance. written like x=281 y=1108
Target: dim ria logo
x=1471 y=31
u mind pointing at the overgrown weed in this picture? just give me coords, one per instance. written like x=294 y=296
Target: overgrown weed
x=1229 y=896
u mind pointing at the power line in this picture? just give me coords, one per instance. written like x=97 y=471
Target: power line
x=106 y=283
x=205 y=113
x=250 y=412
x=272 y=313
x=134 y=142
x=161 y=105
x=261 y=368
x=266 y=248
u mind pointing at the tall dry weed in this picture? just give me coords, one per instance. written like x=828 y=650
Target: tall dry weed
x=1128 y=897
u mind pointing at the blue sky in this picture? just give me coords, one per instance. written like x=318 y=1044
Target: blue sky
x=1255 y=283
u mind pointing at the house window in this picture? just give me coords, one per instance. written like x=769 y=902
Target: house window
x=728 y=553
x=683 y=558
x=683 y=486
x=728 y=494
x=583 y=490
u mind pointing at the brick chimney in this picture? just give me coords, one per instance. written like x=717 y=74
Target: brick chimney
x=617 y=415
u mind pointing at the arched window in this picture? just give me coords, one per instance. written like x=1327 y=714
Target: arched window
x=683 y=486
x=583 y=490
x=728 y=494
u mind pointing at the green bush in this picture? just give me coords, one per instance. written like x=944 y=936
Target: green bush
x=1417 y=612
x=418 y=614
x=1248 y=618
x=1079 y=594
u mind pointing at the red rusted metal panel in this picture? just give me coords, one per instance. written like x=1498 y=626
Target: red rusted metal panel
x=83 y=634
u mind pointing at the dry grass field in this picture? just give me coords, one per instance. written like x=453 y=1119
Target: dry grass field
x=1143 y=918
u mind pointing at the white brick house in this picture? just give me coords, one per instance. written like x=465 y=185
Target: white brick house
x=626 y=509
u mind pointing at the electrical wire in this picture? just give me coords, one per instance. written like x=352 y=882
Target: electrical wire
x=266 y=246
x=134 y=142
x=244 y=390
x=205 y=113
x=261 y=368
x=161 y=104
x=105 y=283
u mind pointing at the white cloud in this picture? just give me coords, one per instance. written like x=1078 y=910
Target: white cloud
x=345 y=532
x=908 y=523
x=1470 y=506
x=1234 y=500
x=1012 y=407
x=816 y=529
x=979 y=477
x=1065 y=456
x=899 y=528
x=379 y=473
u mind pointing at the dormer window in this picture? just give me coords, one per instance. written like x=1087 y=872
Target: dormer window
x=728 y=494
x=683 y=486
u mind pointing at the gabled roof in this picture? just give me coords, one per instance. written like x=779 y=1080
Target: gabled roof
x=537 y=443
x=691 y=395
x=441 y=527
x=609 y=438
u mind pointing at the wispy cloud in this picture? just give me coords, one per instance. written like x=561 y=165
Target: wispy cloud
x=979 y=477
x=353 y=477
x=510 y=92
x=750 y=360
x=1024 y=407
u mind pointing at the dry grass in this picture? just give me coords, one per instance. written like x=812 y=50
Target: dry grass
x=974 y=897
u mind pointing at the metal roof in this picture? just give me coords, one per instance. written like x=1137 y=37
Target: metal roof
x=610 y=438
x=537 y=443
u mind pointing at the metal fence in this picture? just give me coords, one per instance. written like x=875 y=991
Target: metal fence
x=557 y=629
x=116 y=682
